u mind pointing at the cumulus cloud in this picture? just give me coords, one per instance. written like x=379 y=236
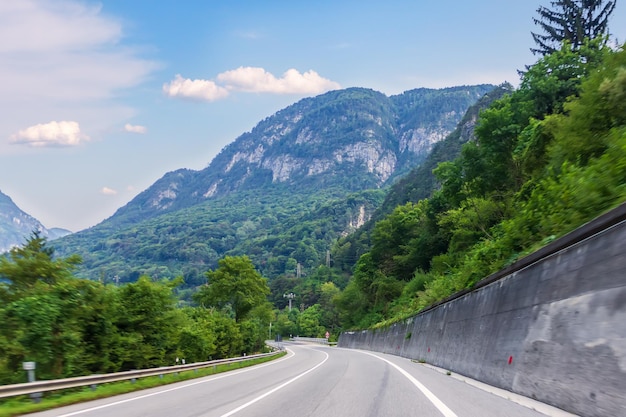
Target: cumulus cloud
x=194 y=89
x=64 y=133
x=249 y=80
x=135 y=128
x=108 y=191
x=257 y=80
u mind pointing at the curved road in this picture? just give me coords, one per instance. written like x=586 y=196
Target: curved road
x=311 y=380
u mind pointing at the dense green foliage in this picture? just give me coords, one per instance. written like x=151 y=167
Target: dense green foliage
x=548 y=157
x=235 y=284
x=71 y=326
x=276 y=230
x=418 y=184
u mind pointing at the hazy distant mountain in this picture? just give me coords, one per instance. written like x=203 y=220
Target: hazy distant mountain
x=16 y=225
x=281 y=193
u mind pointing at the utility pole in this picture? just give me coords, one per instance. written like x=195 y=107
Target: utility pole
x=298 y=270
x=290 y=297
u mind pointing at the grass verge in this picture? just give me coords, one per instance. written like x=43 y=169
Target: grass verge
x=18 y=406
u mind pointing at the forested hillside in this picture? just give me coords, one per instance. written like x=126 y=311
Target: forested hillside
x=547 y=158
x=277 y=230
x=281 y=194
x=416 y=185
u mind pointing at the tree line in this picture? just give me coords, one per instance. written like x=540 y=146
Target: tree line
x=71 y=326
x=547 y=158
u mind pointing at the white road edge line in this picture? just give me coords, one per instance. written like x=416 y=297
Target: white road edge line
x=432 y=397
x=225 y=375
x=249 y=403
x=532 y=404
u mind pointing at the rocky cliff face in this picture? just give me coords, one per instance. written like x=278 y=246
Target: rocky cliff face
x=350 y=139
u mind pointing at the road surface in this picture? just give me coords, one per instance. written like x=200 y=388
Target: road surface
x=313 y=380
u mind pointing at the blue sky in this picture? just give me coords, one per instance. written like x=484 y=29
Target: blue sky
x=101 y=99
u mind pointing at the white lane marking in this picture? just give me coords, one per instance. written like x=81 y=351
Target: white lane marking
x=249 y=403
x=433 y=399
x=529 y=403
x=225 y=375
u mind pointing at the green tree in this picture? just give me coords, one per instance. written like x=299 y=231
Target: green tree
x=283 y=325
x=280 y=286
x=234 y=284
x=147 y=324
x=31 y=263
x=49 y=316
x=309 y=322
x=229 y=341
x=197 y=340
x=355 y=309
x=330 y=315
x=571 y=21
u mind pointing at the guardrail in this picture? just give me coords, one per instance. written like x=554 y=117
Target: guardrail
x=82 y=381
x=319 y=340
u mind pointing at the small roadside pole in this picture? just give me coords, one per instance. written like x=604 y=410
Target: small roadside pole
x=30 y=368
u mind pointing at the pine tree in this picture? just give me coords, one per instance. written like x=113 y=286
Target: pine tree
x=572 y=21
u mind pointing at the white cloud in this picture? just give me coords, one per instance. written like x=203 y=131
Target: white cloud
x=249 y=80
x=257 y=80
x=108 y=191
x=194 y=89
x=63 y=26
x=64 y=133
x=64 y=60
x=135 y=128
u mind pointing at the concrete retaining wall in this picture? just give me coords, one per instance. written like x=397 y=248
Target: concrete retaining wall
x=551 y=327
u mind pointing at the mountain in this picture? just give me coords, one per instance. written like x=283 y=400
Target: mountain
x=350 y=139
x=281 y=193
x=419 y=183
x=16 y=225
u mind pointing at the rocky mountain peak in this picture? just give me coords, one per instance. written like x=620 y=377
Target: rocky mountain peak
x=351 y=139
x=16 y=225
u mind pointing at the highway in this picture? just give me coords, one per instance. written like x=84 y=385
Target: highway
x=314 y=380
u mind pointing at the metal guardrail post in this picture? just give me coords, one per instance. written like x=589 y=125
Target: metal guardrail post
x=29 y=388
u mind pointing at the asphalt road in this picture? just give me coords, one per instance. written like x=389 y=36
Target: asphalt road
x=312 y=380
